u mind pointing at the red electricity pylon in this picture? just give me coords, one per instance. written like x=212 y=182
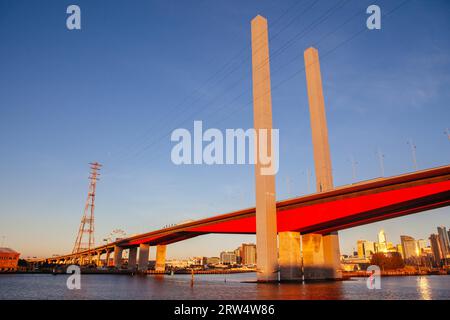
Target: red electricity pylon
x=85 y=237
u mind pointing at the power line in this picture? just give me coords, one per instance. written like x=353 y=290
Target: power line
x=297 y=37
x=275 y=87
x=222 y=68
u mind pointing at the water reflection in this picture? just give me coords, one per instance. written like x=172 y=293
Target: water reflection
x=423 y=286
x=236 y=286
x=301 y=291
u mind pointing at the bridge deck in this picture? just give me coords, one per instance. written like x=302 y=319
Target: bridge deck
x=341 y=208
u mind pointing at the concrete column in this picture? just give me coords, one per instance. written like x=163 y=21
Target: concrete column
x=289 y=256
x=328 y=257
x=132 y=258
x=108 y=254
x=313 y=257
x=99 y=254
x=144 y=250
x=160 y=258
x=332 y=255
x=266 y=219
x=118 y=257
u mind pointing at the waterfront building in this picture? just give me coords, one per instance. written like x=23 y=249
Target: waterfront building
x=198 y=261
x=422 y=245
x=360 y=246
x=436 y=248
x=178 y=263
x=212 y=261
x=410 y=248
x=382 y=242
x=228 y=257
x=8 y=260
x=238 y=253
x=248 y=254
x=443 y=238
x=365 y=248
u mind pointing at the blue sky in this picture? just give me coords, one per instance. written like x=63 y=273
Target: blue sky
x=113 y=91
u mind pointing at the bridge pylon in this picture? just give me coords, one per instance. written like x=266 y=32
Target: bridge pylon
x=321 y=254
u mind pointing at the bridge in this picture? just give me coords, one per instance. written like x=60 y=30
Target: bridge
x=295 y=238
x=320 y=213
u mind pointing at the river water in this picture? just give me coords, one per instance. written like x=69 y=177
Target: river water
x=226 y=287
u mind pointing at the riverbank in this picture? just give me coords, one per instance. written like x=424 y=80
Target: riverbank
x=61 y=270
x=395 y=273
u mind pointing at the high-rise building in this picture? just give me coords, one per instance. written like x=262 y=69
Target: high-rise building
x=443 y=238
x=239 y=255
x=382 y=236
x=422 y=245
x=360 y=246
x=438 y=254
x=382 y=242
x=409 y=245
x=248 y=253
x=365 y=248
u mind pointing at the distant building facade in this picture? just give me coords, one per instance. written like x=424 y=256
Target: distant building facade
x=248 y=254
x=436 y=249
x=410 y=248
x=365 y=248
x=228 y=257
x=212 y=261
x=443 y=238
x=9 y=260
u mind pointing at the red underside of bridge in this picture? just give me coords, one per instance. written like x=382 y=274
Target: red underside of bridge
x=329 y=211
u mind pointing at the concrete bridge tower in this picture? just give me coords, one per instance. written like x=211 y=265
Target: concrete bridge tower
x=266 y=216
x=321 y=254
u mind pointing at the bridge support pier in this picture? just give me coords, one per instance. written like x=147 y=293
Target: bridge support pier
x=289 y=256
x=132 y=258
x=108 y=254
x=321 y=257
x=160 y=258
x=313 y=257
x=144 y=250
x=98 y=260
x=118 y=257
x=266 y=219
x=332 y=255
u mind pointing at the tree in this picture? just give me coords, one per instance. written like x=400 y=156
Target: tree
x=390 y=261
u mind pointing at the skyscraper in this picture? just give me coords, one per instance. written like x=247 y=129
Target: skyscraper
x=421 y=245
x=443 y=238
x=361 y=251
x=365 y=248
x=436 y=249
x=382 y=243
x=410 y=248
x=382 y=236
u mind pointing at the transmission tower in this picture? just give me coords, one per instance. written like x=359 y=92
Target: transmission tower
x=85 y=237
